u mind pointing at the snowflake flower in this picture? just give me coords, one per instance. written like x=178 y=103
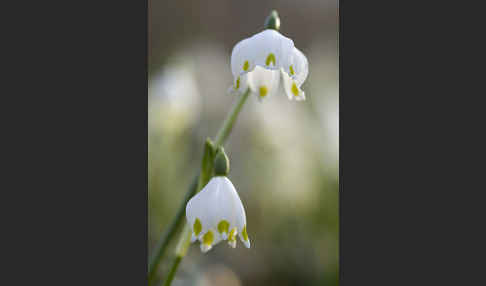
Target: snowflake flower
x=216 y=213
x=262 y=61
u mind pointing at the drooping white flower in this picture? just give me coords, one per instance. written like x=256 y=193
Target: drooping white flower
x=216 y=213
x=263 y=60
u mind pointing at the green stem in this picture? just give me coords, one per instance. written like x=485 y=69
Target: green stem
x=204 y=177
x=228 y=123
x=164 y=241
x=173 y=270
x=181 y=251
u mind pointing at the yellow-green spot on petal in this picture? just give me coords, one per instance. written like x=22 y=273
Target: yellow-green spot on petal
x=263 y=91
x=238 y=83
x=295 y=90
x=246 y=66
x=197 y=227
x=292 y=72
x=232 y=235
x=270 y=59
x=223 y=226
x=244 y=234
x=208 y=238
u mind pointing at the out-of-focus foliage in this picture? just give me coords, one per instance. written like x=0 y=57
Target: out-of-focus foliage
x=284 y=155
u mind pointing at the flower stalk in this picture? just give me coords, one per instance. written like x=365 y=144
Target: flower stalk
x=180 y=252
x=203 y=178
x=228 y=123
x=162 y=244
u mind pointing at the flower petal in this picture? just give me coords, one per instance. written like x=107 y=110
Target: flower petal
x=240 y=84
x=263 y=82
x=240 y=214
x=299 y=67
x=199 y=208
x=270 y=49
x=228 y=209
x=241 y=58
x=244 y=237
x=292 y=88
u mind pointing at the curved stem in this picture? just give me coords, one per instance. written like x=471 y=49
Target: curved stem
x=198 y=184
x=228 y=123
x=173 y=270
x=164 y=241
x=181 y=251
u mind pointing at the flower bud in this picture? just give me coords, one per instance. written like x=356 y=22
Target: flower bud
x=221 y=163
x=272 y=21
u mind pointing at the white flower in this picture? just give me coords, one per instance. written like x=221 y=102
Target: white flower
x=216 y=213
x=260 y=61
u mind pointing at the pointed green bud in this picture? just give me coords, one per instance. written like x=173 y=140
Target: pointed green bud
x=221 y=163
x=272 y=21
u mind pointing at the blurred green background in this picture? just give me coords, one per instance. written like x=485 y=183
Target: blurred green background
x=284 y=154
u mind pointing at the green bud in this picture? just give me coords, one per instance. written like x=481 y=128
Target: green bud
x=272 y=21
x=221 y=163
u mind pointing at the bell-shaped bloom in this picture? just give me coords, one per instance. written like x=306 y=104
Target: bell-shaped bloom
x=216 y=213
x=264 y=60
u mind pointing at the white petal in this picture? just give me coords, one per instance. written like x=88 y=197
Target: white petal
x=205 y=206
x=232 y=236
x=263 y=82
x=240 y=84
x=239 y=212
x=270 y=49
x=233 y=202
x=231 y=208
x=245 y=242
x=299 y=67
x=292 y=88
x=241 y=62
x=205 y=248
